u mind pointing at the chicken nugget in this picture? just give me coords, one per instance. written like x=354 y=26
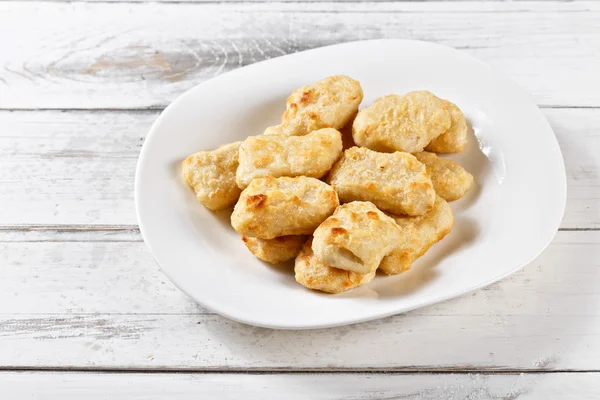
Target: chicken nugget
x=329 y=103
x=271 y=207
x=281 y=155
x=450 y=180
x=418 y=235
x=401 y=123
x=395 y=182
x=277 y=250
x=356 y=237
x=212 y=176
x=314 y=274
x=454 y=140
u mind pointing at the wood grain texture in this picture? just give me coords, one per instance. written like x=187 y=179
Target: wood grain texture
x=72 y=55
x=78 y=167
x=69 y=272
x=67 y=386
x=105 y=304
x=212 y=343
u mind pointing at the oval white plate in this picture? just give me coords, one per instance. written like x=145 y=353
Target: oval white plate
x=508 y=217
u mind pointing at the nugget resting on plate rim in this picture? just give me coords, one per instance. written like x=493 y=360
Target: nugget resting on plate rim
x=212 y=176
x=271 y=207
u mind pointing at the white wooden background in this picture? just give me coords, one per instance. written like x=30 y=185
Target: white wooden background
x=85 y=311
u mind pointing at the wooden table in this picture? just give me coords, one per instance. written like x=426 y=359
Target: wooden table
x=86 y=312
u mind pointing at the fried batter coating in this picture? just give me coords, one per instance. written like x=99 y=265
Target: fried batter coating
x=277 y=250
x=314 y=274
x=356 y=237
x=281 y=155
x=401 y=123
x=454 y=140
x=395 y=182
x=212 y=176
x=418 y=235
x=450 y=180
x=271 y=207
x=329 y=103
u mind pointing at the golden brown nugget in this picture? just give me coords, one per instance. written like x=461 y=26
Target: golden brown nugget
x=212 y=176
x=401 y=123
x=394 y=182
x=281 y=155
x=418 y=235
x=277 y=250
x=329 y=103
x=356 y=237
x=314 y=274
x=271 y=207
x=454 y=140
x=450 y=180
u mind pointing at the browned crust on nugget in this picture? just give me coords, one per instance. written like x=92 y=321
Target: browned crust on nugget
x=311 y=273
x=277 y=250
x=271 y=207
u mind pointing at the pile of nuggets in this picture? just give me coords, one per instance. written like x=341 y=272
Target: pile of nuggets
x=342 y=211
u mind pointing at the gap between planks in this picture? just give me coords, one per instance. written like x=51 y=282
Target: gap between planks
x=262 y=1
x=69 y=228
x=162 y=108
x=101 y=233
x=491 y=370
x=136 y=229
x=227 y=2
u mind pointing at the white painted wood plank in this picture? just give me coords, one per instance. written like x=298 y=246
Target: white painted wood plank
x=78 y=167
x=64 y=386
x=106 y=305
x=210 y=342
x=72 y=55
x=69 y=272
x=75 y=168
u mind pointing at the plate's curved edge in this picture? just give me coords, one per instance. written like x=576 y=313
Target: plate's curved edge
x=346 y=321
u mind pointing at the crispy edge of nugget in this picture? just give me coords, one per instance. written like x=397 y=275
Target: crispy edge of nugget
x=356 y=237
x=419 y=234
x=362 y=174
x=275 y=130
x=276 y=250
x=212 y=176
x=310 y=155
x=454 y=140
x=450 y=180
x=401 y=123
x=271 y=207
x=312 y=273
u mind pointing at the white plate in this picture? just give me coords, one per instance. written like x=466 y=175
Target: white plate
x=508 y=217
